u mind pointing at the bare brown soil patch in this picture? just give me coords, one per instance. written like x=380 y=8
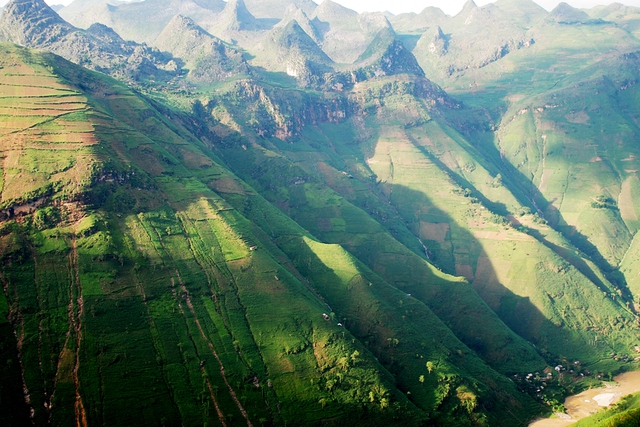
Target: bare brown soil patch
x=465 y=271
x=434 y=231
x=579 y=117
x=195 y=161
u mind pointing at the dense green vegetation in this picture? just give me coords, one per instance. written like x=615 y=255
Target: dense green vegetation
x=265 y=225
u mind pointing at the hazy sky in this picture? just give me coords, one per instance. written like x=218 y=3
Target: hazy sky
x=450 y=7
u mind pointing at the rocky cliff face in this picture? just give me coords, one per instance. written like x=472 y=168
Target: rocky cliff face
x=32 y=23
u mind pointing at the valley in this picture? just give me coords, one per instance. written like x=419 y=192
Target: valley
x=279 y=212
x=591 y=401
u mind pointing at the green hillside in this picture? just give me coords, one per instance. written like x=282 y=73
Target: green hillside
x=290 y=214
x=150 y=272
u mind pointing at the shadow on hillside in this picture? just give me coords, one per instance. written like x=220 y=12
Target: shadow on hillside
x=529 y=195
x=517 y=312
x=372 y=315
x=496 y=207
x=581 y=241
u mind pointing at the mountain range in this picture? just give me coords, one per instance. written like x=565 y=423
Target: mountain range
x=285 y=213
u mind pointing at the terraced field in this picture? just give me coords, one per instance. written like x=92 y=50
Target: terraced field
x=140 y=296
x=321 y=246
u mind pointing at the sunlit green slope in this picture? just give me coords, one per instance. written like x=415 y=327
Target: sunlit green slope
x=306 y=242
x=146 y=284
x=402 y=171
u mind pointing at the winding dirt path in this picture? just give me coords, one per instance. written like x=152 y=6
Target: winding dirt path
x=183 y=288
x=204 y=372
x=76 y=319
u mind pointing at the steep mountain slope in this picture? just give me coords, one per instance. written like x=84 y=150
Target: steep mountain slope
x=34 y=24
x=566 y=14
x=590 y=198
x=461 y=238
x=206 y=57
x=556 y=106
x=236 y=25
x=386 y=56
x=318 y=235
x=293 y=13
x=344 y=38
x=173 y=291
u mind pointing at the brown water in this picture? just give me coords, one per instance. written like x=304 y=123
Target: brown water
x=591 y=401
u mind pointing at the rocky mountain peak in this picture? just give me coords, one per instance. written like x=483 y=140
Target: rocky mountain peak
x=294 y=36
x=236 y=16
x=468 y=6
x=294 y=13
x=567 y=14
x=524 y=12
x=104 y=33
x=438 y=42
x=207 y=58
x=372 y=22
x=385 y=56
x=28 y=22
x=433 y=14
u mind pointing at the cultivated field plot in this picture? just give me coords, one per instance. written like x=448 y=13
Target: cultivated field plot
x=49 y=112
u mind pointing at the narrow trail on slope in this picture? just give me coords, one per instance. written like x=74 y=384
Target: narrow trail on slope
x=35 y=125
x=183 y=288
x=213 y=398
x=213 y=351
x=61 y=355
x=202 y=370
x=81 y=415
x=215 y=273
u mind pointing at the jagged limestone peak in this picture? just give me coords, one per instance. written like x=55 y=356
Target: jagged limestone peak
x=373 y=22
x=207 y=58
x=294 y=13
x=236 y=17
x=28 y=22
x=565 y=13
